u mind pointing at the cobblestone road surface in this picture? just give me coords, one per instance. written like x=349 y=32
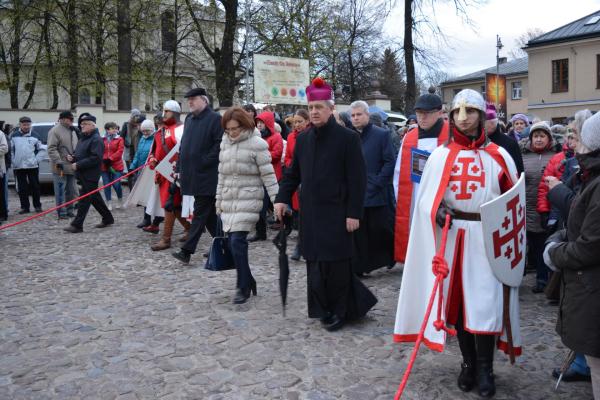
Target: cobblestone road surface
x=97 y=315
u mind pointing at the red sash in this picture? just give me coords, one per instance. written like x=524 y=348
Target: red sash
x=405 y=190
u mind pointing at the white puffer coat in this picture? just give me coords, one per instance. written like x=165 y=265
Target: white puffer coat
x=244 y=167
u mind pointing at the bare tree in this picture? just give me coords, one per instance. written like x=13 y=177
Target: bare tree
x=522 y=40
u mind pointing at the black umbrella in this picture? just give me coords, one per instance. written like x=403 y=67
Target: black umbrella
x=280 y=241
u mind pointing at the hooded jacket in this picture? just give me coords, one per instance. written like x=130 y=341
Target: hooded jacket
x=274 y=140
x=113 y=151
x=244 y=168
x=555 y=167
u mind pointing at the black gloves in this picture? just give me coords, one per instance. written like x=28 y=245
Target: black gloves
x=440 y=215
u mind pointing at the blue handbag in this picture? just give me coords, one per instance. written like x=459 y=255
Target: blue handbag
x=219 y=256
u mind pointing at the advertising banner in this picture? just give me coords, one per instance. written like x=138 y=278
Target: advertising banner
x=280 y=80
x=496 y=84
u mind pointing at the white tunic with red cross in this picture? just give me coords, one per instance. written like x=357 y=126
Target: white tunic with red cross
x=471 y=177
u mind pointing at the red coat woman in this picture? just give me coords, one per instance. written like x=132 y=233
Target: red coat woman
x=301 y=122
x=113 y=152
x=265 y=122
x=164 y=140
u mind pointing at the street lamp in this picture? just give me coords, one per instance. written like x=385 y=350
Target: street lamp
x=498 y=47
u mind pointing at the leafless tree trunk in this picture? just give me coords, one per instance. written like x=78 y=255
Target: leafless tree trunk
x=409 y=57
x=124 y=55
x=72 y=51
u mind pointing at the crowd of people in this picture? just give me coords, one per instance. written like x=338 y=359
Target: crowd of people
x=364 y=195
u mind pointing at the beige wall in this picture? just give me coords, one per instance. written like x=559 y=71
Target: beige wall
x=583 y=91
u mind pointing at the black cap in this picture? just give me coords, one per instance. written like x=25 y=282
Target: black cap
x=88 y=117
x=66 y=114
x=196 y=92
x=24 y=119
x=429 y=102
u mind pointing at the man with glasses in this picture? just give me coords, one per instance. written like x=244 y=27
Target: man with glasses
x=418 y=143
x=86 y=162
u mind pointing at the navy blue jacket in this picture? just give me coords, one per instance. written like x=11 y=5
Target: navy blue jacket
x=380 y=160
x=199 y=153
x=88 y=156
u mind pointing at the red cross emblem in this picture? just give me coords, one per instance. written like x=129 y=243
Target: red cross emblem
x=466 y=182
x=515 y=221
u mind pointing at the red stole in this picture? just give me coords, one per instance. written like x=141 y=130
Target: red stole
x=405 y=190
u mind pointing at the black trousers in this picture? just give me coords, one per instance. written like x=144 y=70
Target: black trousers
x=83 y=206
x=374 y=240
x=474 y=347
x=536 y=243
x=205 y=216
x=29 y=185
x=333 y=288
x=3 y=205
x=261 y=225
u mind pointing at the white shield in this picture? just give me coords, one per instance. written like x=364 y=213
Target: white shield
x=166 y=167
x=503 y=222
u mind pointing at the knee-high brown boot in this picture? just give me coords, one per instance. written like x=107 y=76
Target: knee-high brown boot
x=186 y=226
x=165 y=240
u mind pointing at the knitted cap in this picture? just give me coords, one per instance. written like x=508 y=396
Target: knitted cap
x=490 y=112
x=590 y=132
x=522 y=117
x=147 y=125
x=540 y=126
x=172 y=105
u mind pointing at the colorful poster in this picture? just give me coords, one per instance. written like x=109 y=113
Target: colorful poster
x=280 y=80
x=495 y=93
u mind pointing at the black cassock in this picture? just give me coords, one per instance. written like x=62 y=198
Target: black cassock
x=329 y=163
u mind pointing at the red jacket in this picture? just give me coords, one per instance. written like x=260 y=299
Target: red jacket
x=274 y=140
x=289 y=158
x=113 y=151
x=555 y=167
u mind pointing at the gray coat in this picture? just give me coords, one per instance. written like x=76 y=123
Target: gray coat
x=534 y=164
x=24 y=148
x=3 y=151
x=61 y=142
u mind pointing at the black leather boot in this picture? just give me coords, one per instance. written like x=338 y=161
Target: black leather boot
x=485 y=345
x=466 y=378
x=466 y=341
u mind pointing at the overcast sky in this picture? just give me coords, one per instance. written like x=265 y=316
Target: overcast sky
x=474 y=50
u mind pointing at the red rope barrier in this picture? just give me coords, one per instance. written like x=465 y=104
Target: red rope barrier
x=69 y=202
x=440 y=270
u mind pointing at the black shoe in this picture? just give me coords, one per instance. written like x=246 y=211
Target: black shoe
x=241 y=296
x=182 y=256
x=571 y=376
x=328 y=319
x=23 y=211
x=205 y=255
x=466 y=379
x=256 y=238
x=485 y=379
x=336 y=323
x=38 y=209
x=73 y=229
x=70 y=215
x=539 y=288
x=143 y=224
x=104 y=224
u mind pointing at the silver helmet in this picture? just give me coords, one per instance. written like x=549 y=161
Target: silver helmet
x=467 y=98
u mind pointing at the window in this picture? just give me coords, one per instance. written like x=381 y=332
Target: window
x=84 y=96
x=559 y=120
x=456 y=91
x=560 y=75
x=168 y=34
x=517 y=91
x=597 y=71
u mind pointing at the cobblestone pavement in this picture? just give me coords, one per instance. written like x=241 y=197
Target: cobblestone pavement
x=97 y=315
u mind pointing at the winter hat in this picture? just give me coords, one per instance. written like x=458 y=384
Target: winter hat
x=147 y=125
x=66 y=114
x=319 y=90
x=172 y=105
x=540 y=126
x=522 y=117
x=135 y=112
x=590 y=132
x=87 y=117
x=490 y=112
x=429 y=102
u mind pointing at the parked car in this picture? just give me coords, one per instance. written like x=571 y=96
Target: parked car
x=39 y=129
x=397 y=119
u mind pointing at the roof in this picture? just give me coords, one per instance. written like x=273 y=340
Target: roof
x=583 y=28
x=514 y=67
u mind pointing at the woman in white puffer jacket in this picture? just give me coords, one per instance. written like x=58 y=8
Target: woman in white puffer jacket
x=244 y=169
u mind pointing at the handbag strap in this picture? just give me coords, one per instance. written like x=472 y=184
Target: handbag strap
x=219 y=231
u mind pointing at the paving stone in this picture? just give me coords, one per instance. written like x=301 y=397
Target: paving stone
x=98 y=315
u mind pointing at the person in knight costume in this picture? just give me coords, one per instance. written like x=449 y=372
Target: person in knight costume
x=418 y=143
x=458 y=178
x=170 y=195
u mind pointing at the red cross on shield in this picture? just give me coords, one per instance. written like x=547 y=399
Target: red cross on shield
x=503 y=224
